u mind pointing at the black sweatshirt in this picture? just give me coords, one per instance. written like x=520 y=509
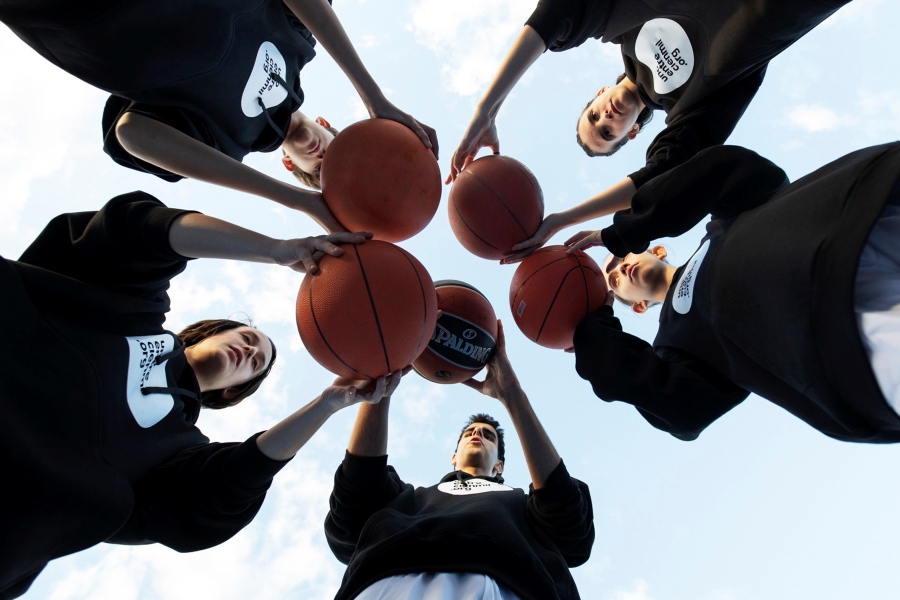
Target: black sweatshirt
x=200 y=67
x=700 y=62
x=90 y=454
x=765 y=305
x=380 y=526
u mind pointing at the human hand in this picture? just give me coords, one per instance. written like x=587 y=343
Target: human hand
x=346 y=392
x=481 y=133
x=303 y=254
x=584 y=240
x=312 y=203
x=549 y=226
x=383 y=109
x=501 y=381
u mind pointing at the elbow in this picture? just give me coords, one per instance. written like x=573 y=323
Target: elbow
x=130 y=132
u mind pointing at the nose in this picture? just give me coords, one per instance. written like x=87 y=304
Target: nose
x=250 y=351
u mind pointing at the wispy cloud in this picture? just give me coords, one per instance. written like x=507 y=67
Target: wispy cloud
x=812 y=118
x=639 y=591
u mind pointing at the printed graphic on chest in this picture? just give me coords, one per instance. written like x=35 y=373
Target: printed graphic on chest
x=143 y=372
x=262 y=85
x=664 y=48
x=683 y=296
x=472 y=486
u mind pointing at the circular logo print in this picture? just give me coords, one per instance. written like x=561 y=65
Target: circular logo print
x=469 y=334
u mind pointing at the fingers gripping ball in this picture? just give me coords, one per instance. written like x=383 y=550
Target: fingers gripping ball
x=495 y=203
x=552 y=291
x=378 y=176
x=367 y=313
x=464 y=338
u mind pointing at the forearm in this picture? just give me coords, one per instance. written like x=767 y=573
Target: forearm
x=613 y=199
x=527 y=48
x=540 y=454
x=282 y=441
x=323 y=23
x=195 y=235
x=370 y=432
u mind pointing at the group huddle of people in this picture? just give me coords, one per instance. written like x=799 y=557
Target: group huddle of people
x=793 y=293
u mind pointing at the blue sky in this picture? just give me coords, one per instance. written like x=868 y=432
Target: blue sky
x=761 y=506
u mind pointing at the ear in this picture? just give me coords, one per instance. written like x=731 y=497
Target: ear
x=640 y=307
x=288 y=163
x=603 y=89
x=659 y=252
x=321 y=121
x=453 y=460
x=635 y=129
x=498 y=468
x=230 y=393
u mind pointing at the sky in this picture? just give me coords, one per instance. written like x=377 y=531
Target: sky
x=761 y=506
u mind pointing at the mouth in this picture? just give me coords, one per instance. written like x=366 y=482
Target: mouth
x=315 y=148
x=236 y=356
x=615 y=108
x=631 y=272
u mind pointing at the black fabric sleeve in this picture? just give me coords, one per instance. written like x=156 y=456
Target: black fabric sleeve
x=565 y=24
x=362 y=487
x=723 y=181
x=124 y=246
x=563 y=511
x=673 y=392
x=201 y=497
x=709 y=123
x=176 y=118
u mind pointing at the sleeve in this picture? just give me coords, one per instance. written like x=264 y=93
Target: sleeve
x=675 y=393
x=565 y=24
x=124 y=246
x=362 y=487
x=201 y=497
x=723 y=181
x=176 y=118
x=563 y=511
x=707 y=124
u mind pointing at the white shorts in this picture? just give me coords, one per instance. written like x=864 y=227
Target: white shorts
x=437 y=586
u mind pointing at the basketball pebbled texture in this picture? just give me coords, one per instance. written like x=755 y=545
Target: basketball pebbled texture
x=552 y=291
x=495 y=203
x=367 y=313
x=464 y=337
x=378 y=176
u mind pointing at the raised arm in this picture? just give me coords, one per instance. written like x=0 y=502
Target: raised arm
x=322 y=22
x=166 y=147
x=482 y=132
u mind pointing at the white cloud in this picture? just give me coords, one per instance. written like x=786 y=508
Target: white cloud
x=812 y=118
x=638 y=592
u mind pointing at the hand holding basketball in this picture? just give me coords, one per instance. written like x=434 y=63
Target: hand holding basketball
x=547 y=229
x=302 y=254
x=384 y=109
x=501 y=380
x=584 y=240
x=346 y=392
x=481 y=133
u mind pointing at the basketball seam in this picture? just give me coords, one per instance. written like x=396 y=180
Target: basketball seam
x=362 y=269
x=587 y=292
x=312 y=311
x=472 y=231
x=531 y=179
x=424 y=302
x=552 y=302
x=502 y=203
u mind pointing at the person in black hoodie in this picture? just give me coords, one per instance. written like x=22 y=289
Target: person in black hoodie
x=700 y=62
x=99 y=403
x=196 y=86
x=793 y=295
x=470 y=535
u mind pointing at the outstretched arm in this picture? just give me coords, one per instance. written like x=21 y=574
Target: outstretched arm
x=482 y=132
x=166 y=147
x=322 y=22
x=501 y=383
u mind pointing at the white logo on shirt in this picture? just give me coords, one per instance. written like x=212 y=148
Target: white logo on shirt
x=664 y=47
x=261 y=85
x=472 y=486
x=144 y=372
x=684 y=291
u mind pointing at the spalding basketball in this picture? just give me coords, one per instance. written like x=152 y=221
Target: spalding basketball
x=552 y=291
x=367 y=313
x=464 y=337
x=378 y=176
x=495 y=203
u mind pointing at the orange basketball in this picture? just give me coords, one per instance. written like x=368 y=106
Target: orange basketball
x=378 y=176
x=552 y=291
x=495 y=203
x=367 y=313
x=464 y=337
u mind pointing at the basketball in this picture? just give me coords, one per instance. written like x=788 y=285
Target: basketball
x=378 y=176
x=464 y=337
x=367 y=313
x=495 y=203
x=552 y=291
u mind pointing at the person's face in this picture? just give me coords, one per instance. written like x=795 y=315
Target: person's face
x=610 y=117
x=229 y=358
x=637 y=278
x=478 y=448
x=306 y=143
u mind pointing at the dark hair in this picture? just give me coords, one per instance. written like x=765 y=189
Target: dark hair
x=643 y=118
x=489 y=420
x=199 y=331
x=314 y=179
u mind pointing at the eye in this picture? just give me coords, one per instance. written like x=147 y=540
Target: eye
x=607 y=135
x=592 y=116
x=614 y=279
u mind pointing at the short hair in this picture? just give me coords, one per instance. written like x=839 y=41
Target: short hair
x=489 y=420
x=199 y=331
x=314 y=179
x=644 y=117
